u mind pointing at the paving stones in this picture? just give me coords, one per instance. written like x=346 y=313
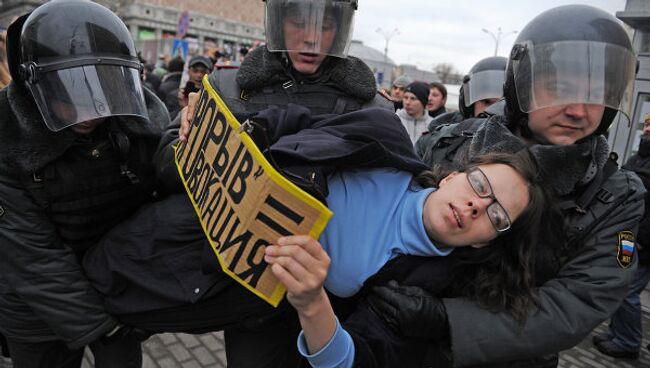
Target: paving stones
x=207 y=351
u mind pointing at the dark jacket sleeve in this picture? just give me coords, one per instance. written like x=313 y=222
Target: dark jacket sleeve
x=643 y=236
x=44 y=273
x=376 y=345
x=164 y=160
x=587 y=290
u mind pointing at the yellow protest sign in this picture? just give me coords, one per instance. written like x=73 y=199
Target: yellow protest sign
x=243 y=203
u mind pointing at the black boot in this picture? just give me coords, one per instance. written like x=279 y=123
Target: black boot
x=610 y=348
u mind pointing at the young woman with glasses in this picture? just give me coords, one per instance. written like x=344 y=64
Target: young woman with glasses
x=382 y=213
x=491 y=210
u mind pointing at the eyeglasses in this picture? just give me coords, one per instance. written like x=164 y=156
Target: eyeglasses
x=495 y=211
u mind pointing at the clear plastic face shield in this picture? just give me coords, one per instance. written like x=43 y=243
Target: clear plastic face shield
x=67 y=96
x=572 y=72
x=486 y=84
x=310 y=26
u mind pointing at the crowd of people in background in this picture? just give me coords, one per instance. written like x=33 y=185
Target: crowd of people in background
x=172 y=79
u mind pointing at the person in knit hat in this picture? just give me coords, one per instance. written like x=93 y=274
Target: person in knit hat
x=414 y=115
x=397 y=91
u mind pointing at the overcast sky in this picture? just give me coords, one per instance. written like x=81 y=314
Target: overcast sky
x=437 y=31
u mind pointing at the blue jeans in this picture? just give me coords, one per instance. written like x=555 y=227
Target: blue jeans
x=625 y=328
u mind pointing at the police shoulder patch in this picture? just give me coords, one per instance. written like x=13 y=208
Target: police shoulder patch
x=626 y=249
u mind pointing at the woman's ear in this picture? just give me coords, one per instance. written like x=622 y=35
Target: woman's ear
x=447 y=178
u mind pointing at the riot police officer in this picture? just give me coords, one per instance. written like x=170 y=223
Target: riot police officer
x=568 y=73
x=78 y=137
x=482 y=87
x=305 y=61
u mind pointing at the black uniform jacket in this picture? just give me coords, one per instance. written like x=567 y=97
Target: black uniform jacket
x=640 y=164
x=44 y=294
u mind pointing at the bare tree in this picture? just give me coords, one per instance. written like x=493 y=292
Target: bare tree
x=446 y=72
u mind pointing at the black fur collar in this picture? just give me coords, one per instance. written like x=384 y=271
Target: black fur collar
x=564 y=167
x=28 y=145
x=262 y=68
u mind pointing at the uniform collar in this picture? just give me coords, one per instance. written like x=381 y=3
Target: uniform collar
x=262 y=68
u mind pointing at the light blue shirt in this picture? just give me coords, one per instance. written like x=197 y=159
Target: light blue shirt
x=377 y=216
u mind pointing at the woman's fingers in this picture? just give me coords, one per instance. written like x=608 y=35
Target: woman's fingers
x=183 y=131
x=186 y=116
x=306 y=242
x=298 y=262
x=310 y=255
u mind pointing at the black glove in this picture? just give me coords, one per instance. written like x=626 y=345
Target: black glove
x=124 y=332
x=410 y=310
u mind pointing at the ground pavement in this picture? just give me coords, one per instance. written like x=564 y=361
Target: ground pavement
x=207 y=351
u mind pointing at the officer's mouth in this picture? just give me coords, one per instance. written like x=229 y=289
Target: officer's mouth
x=571 y=128
x=308 y=57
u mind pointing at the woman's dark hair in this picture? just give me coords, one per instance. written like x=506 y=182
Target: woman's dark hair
x=440 y=87
x=502 y=275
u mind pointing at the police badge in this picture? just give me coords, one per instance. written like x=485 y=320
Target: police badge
x=625 y=253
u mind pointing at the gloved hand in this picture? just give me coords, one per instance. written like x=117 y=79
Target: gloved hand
x=121 y=331
x=410 y=310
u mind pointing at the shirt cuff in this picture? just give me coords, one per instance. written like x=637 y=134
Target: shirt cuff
x=338 y=352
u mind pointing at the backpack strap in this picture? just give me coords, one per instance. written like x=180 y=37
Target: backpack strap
x=595 y=189
x=462 y=131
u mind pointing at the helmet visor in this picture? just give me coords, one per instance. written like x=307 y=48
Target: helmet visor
x=309 y=26
x=66 y=97
x=574 y=72
x=486 y=84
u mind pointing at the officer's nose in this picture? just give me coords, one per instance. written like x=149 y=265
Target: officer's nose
x=310 y=37
x=576 y=111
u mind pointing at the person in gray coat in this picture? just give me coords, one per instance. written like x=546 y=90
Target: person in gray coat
x=560 y=110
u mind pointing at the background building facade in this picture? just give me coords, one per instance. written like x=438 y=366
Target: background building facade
x=224 y=24
x=624 y=138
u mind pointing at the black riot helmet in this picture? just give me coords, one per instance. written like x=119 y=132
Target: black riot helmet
x=574 y=54
x=316 y=26
x=484 y=81
x=78 y=60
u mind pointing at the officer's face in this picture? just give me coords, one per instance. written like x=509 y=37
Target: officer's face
x=68 y=113
x=564 y=124
x=481 y=105
x=646 y=128
x=298 y=35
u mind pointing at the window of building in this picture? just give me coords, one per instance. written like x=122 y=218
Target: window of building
x=636 y=131
x=644 y=47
